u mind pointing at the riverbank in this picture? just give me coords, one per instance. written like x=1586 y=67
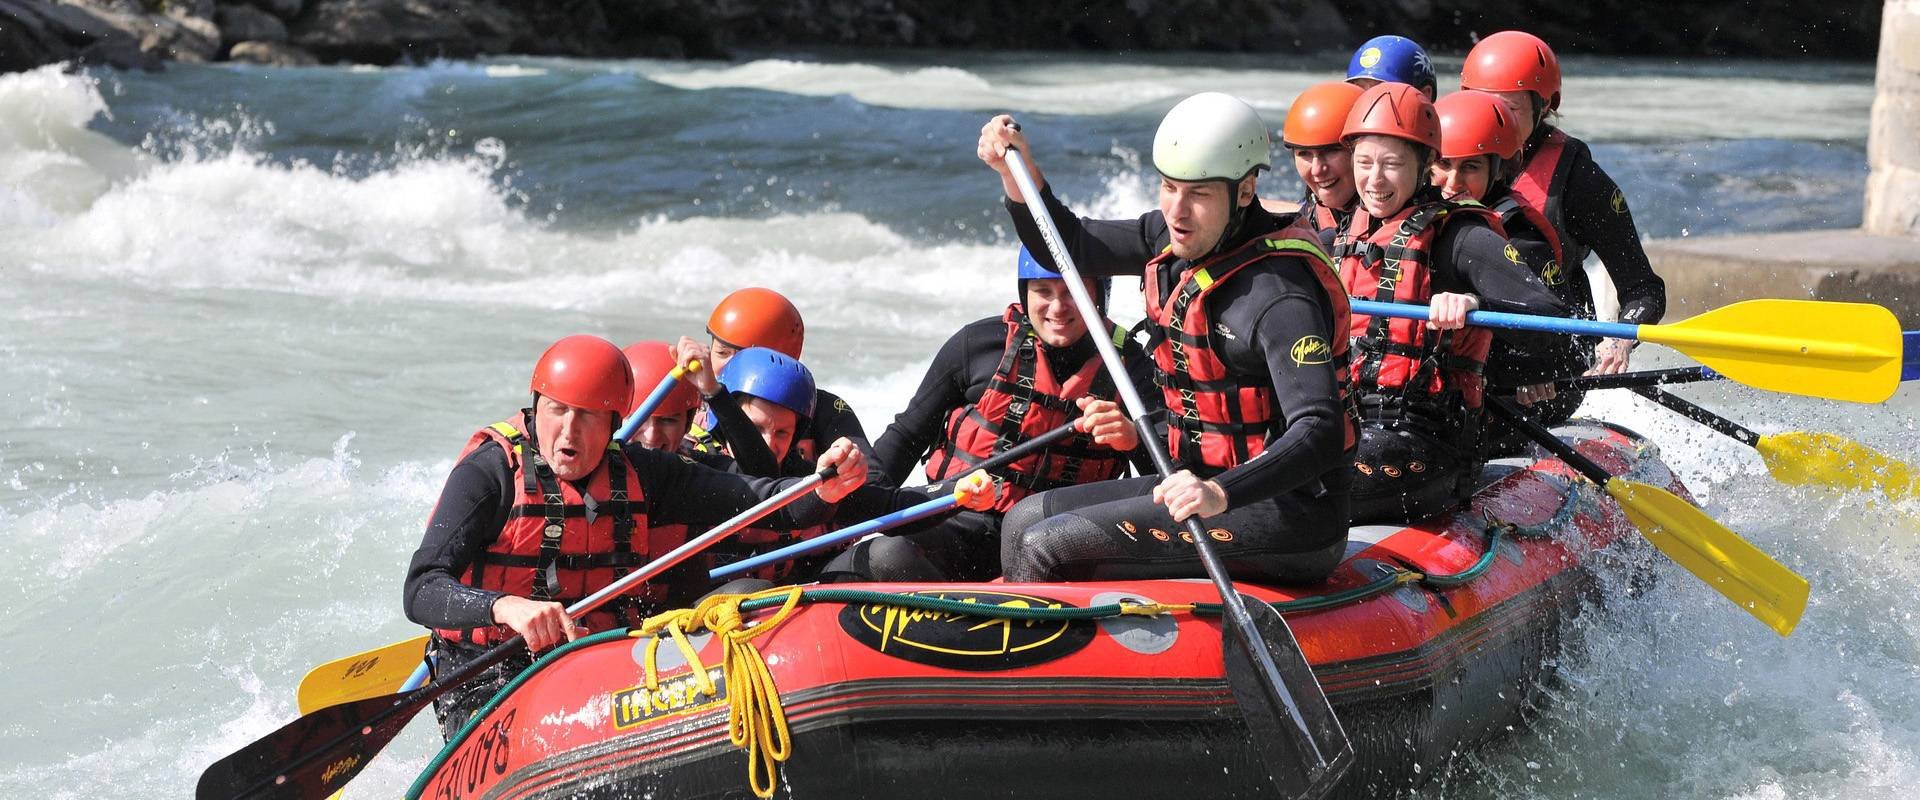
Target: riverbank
x=1705 y=272
x=148 y=33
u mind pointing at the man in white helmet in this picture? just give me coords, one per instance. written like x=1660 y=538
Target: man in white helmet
x=1249 y=332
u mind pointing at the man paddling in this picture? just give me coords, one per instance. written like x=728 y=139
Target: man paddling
x=544 y=508
x=1248 y=322
x=996 y=383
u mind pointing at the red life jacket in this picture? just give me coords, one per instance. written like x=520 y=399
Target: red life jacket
x=1399 y=364
x=1542 y=186
x=1218 y=419
x=549 y=551
x=1022 y=400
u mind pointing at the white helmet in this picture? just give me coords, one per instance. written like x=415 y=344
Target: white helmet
x=1211 y=136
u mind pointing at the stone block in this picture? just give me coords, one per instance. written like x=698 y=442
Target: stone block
x=245 y=23
x=272 y=54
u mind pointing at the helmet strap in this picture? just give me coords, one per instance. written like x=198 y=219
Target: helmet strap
x=1236 y=213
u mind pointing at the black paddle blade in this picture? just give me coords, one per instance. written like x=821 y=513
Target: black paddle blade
x=1292 y=724
x=313 y=756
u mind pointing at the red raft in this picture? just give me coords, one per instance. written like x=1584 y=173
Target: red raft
x=1428 y=639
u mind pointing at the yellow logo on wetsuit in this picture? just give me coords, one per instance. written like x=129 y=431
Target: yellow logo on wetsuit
x=1311 y=349
x=1370 y=57
x=1513 y=253
x=1619 y=202
x=1552 y=275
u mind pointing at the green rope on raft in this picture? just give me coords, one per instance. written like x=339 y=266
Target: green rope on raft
x=1398 y=577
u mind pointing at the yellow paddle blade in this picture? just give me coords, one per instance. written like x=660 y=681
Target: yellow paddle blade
x=1824 y=459
x=1731 y=565
x=1842 y=351
x=357 y=677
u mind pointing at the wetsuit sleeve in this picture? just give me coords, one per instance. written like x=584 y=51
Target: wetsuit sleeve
x=1598 y=216
x=1476 y=261
x=680 y=490
x=833 y=419
x=870 y=501
x=1099 y=247
x=918 y=428
x=1313 y=440
x=465 y=522
x=731 y=425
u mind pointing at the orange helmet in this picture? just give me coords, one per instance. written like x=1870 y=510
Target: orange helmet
x=1510 y=61
x=585 y=372
x=1317 y=116
x=1397 y=110
x=1476 y=124
x=651 y=361
x=756 y=317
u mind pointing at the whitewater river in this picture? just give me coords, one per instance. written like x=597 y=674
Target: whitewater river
x=248 y=317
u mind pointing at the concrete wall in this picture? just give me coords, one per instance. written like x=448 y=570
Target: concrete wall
x=1893 y=147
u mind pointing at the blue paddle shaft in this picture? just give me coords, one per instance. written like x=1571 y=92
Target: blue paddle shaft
x=901 y=517
x=1910 y=344
x=1501 y=319
x=417 y=679
x=652 y=402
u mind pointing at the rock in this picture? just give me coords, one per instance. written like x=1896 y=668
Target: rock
x=284 y=9
x=29 y=40
x=272 y=54
x=245 y=23
x=186 y=39
x=37 y=33
x=386 y=31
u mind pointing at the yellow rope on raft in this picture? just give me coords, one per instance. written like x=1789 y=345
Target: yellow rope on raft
x=756 y=722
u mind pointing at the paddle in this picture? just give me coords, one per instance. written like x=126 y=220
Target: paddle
x=1807 y=459
x=315 y=755
x=654 y=399
x=379 y=671
x=1842 y=351
x=1731 y=565
x=1299 y=739
x=1909 y=370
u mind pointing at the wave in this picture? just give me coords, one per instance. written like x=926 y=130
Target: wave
x=1605 y=101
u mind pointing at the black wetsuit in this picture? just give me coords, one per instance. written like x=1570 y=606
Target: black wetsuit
x=1287 y=508
x=1413 y=462
x=1595 y=219
x=473 y=509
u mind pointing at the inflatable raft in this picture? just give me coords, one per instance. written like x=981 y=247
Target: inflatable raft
x=1428 y=639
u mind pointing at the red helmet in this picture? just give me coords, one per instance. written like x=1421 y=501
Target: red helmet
x=651 y=361
x=585 y=372
x=1397 y=110
x=1510 y=61
x=756 y=317
x=1317 y=116
x=1476 y=124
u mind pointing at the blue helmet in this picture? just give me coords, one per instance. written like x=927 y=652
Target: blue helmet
x=1027 y=268
x=770 y=376
x=1392 y=59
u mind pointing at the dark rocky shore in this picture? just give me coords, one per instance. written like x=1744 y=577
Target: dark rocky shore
x=147 y=33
